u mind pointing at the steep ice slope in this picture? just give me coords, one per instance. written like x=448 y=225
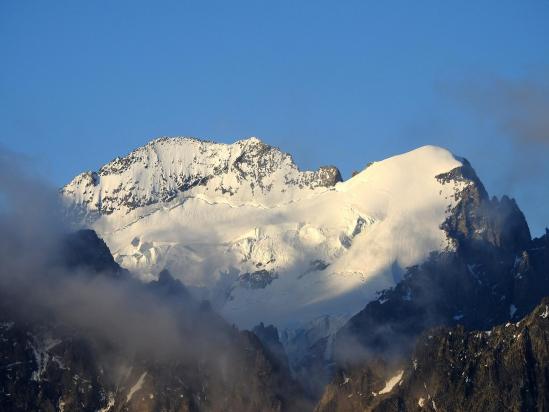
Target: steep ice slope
x=241 y=225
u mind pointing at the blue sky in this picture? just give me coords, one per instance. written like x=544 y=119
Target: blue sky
x=340 y=82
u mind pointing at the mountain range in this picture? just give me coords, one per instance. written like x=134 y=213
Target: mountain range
x=317 y=290
x=241 y=226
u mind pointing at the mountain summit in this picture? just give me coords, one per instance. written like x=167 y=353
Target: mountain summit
x=170 y=166
x=239 y=224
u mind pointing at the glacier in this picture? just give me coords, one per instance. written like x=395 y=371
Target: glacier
x=240 y=225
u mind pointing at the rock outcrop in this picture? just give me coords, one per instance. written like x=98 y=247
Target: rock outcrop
x=451 y=369
x=171 y=166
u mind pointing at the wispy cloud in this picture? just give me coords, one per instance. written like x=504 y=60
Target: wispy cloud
x=519 y=108
x=510 y=122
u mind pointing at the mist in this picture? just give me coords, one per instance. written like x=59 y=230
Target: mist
x=110 y=330
x=107 y=307
x=519 y=108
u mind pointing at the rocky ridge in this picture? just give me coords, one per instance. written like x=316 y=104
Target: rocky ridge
x=452 y=369
x=169 y=167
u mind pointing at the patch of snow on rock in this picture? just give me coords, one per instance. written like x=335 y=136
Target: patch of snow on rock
x=512 y=310
x=391 y=383
x=136 y=387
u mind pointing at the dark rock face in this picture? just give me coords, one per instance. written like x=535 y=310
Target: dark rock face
x=476 y=221
x=84 y=249
x=448 y=289
x=268 y=335
x=40 y=373
x=46 y=375
x=312 y=369
x=169 y=288
x=259 y=279
x=505 y=368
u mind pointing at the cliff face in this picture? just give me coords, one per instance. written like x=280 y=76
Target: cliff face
x=451 y=369
x=477 y=222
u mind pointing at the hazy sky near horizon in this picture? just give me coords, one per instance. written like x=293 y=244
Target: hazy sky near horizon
x=331 y=82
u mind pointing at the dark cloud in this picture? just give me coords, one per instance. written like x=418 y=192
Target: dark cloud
x=519 y=108
x=510 y=119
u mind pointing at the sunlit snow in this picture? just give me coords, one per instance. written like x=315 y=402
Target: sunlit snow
x=321 y=250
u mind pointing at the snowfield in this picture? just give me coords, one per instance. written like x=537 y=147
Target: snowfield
x=240 y=225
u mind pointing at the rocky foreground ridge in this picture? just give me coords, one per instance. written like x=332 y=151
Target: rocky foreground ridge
x=505 y=368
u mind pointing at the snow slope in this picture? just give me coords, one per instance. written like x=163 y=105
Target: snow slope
x=240 y=225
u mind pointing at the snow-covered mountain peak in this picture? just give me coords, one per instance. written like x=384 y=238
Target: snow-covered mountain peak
x=252 y=140
x=403 y=182
x=247 y=171
x=423 y=160
x=241 y=225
